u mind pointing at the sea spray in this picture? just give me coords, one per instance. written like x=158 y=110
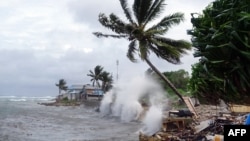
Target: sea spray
x=105 y=107
x=152 y=121
x=125 y=100
x=131 y=111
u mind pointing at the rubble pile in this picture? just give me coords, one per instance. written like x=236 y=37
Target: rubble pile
x=178 y=126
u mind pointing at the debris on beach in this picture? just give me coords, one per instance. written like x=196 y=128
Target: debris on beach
x=207 y=125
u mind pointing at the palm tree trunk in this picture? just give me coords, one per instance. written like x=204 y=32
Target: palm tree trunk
x=164 y=78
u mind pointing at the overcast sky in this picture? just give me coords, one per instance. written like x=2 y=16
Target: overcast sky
x=42 y=41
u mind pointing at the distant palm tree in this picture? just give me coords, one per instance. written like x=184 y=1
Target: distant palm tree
x=107 y=80
x=96 y=75
x=144 y=39
x=61 y=85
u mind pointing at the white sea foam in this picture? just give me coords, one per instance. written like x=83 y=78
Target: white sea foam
x=152 y=121
x=124 y=102
x=106 y=103
x=18 y=99
x=26 y=98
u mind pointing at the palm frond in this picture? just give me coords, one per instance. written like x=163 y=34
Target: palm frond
x=169 y=55
x=165 y=51
x=181 y=45
x=155 y=10
x=136 y=9
x=99 y=34
x=91 y=73
x=168 y=22
x=112 y=22
x=145 y=6
x=127 y=11
x=155 y=32
x=131 y=51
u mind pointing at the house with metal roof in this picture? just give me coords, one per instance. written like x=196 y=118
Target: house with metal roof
x=73 y=92
x=92 y=91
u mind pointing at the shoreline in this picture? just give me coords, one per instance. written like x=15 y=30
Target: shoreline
x=88 y=103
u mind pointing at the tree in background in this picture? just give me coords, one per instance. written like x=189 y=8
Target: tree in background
x=62 y=85
x=179 y=78
x=107 y=80
x=144 y=39
x=96 y=75
x=203 y=86
x=221 y=37
x=99 y=74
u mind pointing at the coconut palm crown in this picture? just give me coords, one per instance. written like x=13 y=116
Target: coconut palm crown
x=61 y=85
x=96 y=75
x=144 y=39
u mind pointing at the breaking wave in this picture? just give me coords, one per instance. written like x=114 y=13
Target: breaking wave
x=26 y=98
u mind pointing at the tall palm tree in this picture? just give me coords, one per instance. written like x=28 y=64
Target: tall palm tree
x=61 y=85
x=96 y=75
x=143 y=39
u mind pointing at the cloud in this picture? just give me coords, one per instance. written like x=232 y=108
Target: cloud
x=43 y=41
x=87 y=12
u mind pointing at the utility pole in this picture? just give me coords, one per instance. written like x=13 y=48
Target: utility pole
x=117 y=63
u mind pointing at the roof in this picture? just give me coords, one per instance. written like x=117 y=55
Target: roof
x=75 y=87
x=91 y=87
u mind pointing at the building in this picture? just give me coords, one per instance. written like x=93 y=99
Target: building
x=78 y=92
x=92 y=91
x=73 y=92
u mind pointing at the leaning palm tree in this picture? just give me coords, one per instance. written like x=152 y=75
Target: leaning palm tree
x=96 y=75
x=143 y=39
x=61 y=85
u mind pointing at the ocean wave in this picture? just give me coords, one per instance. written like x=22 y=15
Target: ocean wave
x=26 y=98
x=7 y=96
x=17 y=100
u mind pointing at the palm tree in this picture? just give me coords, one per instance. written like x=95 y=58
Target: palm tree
x=143 y=39
x=107 y=80
x=96 y=75
x=61 y=85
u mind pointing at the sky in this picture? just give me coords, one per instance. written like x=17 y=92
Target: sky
x=43 y=41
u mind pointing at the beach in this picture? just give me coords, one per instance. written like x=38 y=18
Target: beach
x=23 y=119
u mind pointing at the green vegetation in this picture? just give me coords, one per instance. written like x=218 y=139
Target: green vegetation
x=96 y=75
x=66 y=102
x=179 y=78
x=221 y=37
x=65 y=99
x=100 y=75
x=144 y=39
x=62 y=85
x=107 y=81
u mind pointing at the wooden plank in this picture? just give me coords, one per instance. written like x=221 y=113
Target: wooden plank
x=239 y=108
x=190 y=105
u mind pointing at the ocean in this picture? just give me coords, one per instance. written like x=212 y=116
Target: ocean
x=23 y=119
